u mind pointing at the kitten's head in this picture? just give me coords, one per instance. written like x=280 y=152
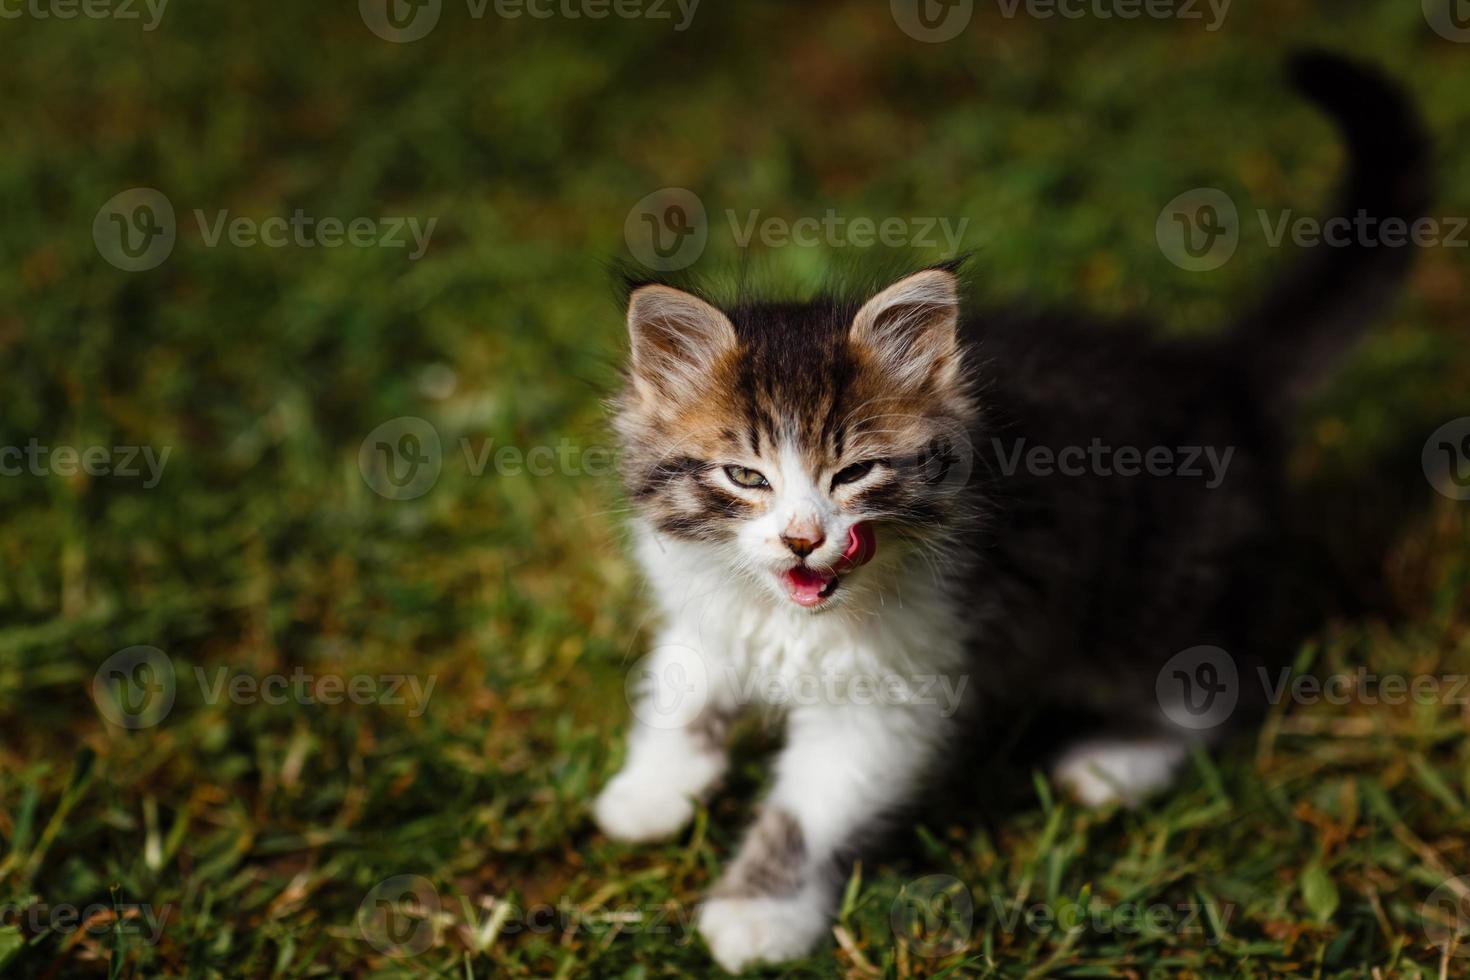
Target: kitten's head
x=765 y=432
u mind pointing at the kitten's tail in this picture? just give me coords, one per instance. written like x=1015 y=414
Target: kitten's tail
x=1303 y=324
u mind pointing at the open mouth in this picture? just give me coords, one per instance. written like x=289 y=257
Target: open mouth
x=808 y=586
x=811 y=587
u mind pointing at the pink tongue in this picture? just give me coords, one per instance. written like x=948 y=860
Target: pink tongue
x=862 y=543
x=805 y=585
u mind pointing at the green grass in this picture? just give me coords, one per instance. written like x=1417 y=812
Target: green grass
x=259 y=829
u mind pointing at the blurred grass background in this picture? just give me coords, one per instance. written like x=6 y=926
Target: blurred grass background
x=259 y=829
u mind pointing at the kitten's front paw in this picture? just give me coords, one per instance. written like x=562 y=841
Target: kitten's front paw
x=634 y=809
x=742 y=931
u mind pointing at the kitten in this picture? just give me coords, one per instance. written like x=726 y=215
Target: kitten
x=837 y=512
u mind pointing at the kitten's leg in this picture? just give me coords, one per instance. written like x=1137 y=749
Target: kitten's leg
x=843 y=769
x=676 y=752
x=1104 y=770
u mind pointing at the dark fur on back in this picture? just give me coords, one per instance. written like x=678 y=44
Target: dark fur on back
x=1097 y=580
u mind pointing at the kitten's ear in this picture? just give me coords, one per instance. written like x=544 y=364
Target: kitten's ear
x=912 y=328
x=677 y=338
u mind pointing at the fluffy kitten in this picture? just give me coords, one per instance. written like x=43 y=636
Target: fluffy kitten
x=765 y=441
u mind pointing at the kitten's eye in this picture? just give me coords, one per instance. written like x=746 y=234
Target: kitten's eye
x=744 y=477
x=853 y=473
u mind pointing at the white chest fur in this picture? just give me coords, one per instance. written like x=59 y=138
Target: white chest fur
x=895 y=637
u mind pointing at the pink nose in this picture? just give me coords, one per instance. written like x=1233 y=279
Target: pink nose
x=802 y=546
